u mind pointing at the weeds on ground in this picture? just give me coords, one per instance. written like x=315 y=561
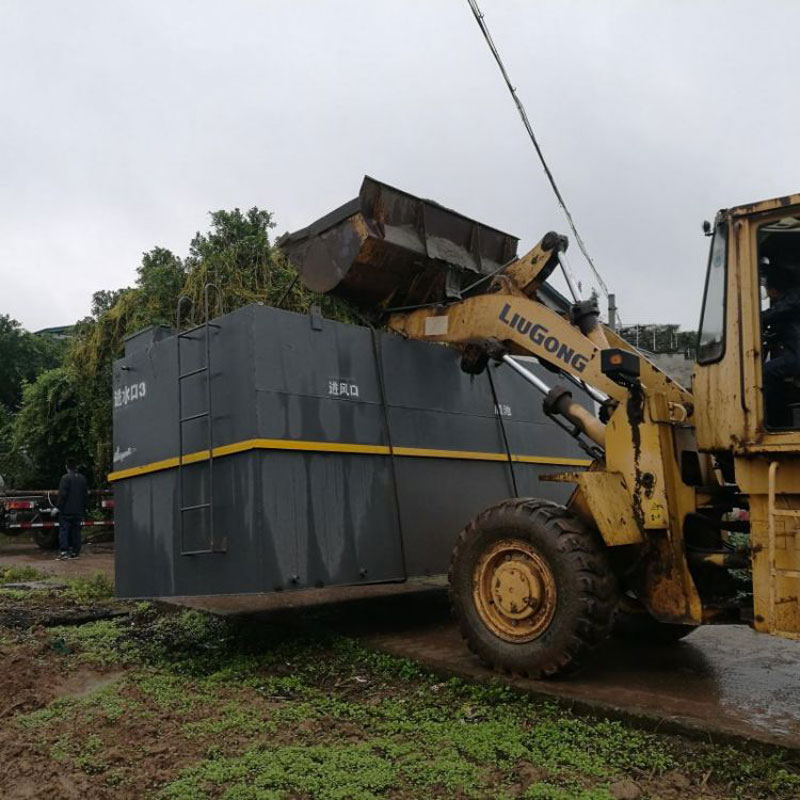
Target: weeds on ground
x=102 y=643
x=20 y=574
x=14 y=594
x=550 y=791
x=278 y=712
x=74 y=591
x=95 y=589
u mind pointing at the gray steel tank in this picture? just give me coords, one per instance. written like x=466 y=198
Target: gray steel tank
x=339 y=454
x=269 y=450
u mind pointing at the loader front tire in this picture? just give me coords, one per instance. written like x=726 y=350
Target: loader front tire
x=531 y=588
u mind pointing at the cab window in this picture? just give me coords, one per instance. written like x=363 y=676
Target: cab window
x=779 y=271
x=711 y=338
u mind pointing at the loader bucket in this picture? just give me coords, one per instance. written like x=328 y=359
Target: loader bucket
x=389 y=249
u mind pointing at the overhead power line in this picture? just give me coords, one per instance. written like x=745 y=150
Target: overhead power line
x=529 y=128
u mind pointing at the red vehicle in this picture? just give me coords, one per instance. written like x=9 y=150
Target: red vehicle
x=35 y=512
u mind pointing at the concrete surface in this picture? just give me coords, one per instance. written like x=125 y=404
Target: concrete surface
x=723 y=680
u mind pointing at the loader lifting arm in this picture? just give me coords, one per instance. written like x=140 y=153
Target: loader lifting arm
x=634 y=495
x=536 y=586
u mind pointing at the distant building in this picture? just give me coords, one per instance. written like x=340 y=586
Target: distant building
x=659 y=338
x=59 y=332
x=669 y=348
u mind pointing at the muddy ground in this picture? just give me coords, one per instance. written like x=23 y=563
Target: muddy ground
x=721 y=680
x=160 y=702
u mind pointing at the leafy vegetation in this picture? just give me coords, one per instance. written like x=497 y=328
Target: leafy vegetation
x=23 y=356
x=271 y=711
x=48 y=428
x=20 y=574
x=94 y=589
x=56 y=401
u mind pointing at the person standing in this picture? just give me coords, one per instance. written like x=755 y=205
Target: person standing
x=72 y=494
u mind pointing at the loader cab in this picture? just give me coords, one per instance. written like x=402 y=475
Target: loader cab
x=778 y=244
x=740 y=404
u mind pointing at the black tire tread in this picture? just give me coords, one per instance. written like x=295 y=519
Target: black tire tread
x=574 y=541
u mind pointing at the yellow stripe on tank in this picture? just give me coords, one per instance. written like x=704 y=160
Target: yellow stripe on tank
x=341 y=447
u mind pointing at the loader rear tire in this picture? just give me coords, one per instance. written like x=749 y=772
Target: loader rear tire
x=531 y=588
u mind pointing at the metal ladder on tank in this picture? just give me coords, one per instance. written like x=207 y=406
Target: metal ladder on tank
x=774 y=571
x=205 y=507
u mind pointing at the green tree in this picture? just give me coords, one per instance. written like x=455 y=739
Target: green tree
x=236 y=255
x=23 y=356
x=50 y=425
x=160 y=283
x=7 y=467
x=104 y=300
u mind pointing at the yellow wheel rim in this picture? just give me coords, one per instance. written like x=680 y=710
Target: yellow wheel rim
x=514 y=591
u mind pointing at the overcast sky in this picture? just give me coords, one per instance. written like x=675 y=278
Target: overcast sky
x=124 y=123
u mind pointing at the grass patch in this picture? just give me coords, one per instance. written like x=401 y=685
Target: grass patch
x=333 y=772
x=14 y=594
x=95 y=589
x=102 y=643
x=20 y=575
x=549 y=791
x=281 y=712
x=82 y=591
x=106 y=704
x=232 y=718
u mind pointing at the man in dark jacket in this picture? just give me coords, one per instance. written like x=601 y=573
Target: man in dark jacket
x=781 y=324
x=72 y=494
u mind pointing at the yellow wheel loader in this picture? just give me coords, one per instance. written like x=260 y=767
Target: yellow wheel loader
x=689 y=492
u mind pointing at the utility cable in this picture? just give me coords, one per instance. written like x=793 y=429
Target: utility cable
x=529 y=128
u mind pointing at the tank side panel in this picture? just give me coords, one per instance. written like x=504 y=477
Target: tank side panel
x=434 y=405
x=440 y=498
x=331 y=516
x=149 y=543
x=144 y=558
x=344 y=531
x=289 y=518
x=145 y=432
x=149 y=559
x=145 y=412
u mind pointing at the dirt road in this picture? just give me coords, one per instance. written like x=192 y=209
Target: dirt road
x=20 y=551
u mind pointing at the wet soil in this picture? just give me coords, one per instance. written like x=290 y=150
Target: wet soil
x=33 y=675
x=140 y=753
x=26 y=614
x=144 y=749
x=724 y=680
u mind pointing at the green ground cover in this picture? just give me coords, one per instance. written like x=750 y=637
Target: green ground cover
x=258 y=711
